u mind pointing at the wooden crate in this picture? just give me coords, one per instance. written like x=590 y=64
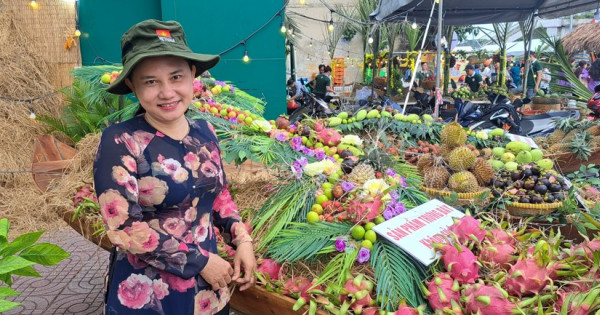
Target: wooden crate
x=257 y=300
x=546 y=107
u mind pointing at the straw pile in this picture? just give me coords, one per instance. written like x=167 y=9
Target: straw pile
x=584 y=37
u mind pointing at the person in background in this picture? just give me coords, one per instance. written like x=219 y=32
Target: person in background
x=297 y=90
x=323 y=84
x=582 y=65
x=534 y=76
x=473 y=80
x=424 y=74
x=515 y=73
x=592 y=75
x=476 y=68
x=545 y=83
x=321 y=68
x=486 y=74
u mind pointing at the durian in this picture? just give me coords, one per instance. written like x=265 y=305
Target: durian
x=445 y=151
x=461 y=158
x=483 y=171
x=436 y=177
x=424 y=162
x=463 y=182
x=453 y=135
x=361 y=173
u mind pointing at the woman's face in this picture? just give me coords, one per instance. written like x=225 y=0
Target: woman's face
x=164 y=86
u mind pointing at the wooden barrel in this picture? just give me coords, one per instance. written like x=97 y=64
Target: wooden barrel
x=50 y=160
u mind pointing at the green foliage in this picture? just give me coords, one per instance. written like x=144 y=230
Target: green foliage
x=258 y=147
x=348 y=33
x=18 y=258
x=409 y=131
x=301 y=241
x=412 y=35
x=337 y=269
x=586 y=175
x=397 y=275
x=238 y=98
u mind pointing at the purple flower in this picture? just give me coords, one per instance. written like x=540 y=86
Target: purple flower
x=280 y=137
x=388 y=213
x=211 y=102
x=233 y=120
x=394 y=195
x=296 y=140
x=340 y=245
x=363 y=255
x=390 y=172
x=347 y=186
x=303 y=161
x=310 y=152
x=231 y=89
x=403 y=181
x=331 y=158
x=297 y=169
x=320 y=155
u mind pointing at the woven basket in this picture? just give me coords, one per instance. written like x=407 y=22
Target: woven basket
x=518 y=209
x=463 y=198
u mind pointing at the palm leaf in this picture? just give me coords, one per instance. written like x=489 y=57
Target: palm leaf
x=337 y=270
x=397 y=275
x=301 y=241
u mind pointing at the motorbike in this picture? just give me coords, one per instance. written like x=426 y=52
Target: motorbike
x=313 y=106
x=594 y=105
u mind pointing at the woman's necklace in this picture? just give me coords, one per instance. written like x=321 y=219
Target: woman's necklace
x=171 y=134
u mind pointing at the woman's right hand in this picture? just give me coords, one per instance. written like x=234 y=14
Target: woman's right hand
x=217 y=272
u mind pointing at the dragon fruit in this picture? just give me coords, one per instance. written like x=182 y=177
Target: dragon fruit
x=270 y=267
x=460 y=262
x=487 y=299
x=586 y=249
x=83 y=192
x=441 y=291
x=298 y=287
x=590 y=193
x=364 y=210
x=359 y=290
x=467 y=228
x=527 y=277
x=500 y=236
x=329 y=136
x=579 y=303
x=318 y=126
x=404 y=309
x=496 y=254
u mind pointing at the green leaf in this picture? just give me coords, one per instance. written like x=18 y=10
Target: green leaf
x=21 y=242
x=6 y=278
x=27 y=272
x=4 y=292
x=11 y=263
x=44 y=254
x=7 y=305
x=4 y=226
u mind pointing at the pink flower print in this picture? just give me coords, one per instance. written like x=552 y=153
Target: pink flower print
x=177 y=283
x=160 y=289
x=203 y=251
x=206 y=303
x=152 y=191
x=136 y=262
x=189 y=238
x=135 y=291
x=190 y=214
x=214 y=155
x=129 y=163
x=143 y=238
x=170 y=167
x=224 y=205
x=119 y=238
x=120 y=175
x=180 y=176
x=191 y=161
x=143 y=137
x=224 y=296
x=183 y=247
x=201 y=231
x=175 y=226
x=132 y=146
x=155 y=225
x=113 y=208
x=211 y=128
x=132 y=186
x=209 y=169
x=160 y=134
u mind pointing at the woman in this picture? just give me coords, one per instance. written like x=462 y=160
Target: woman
x=161 y=187
x=592 y=75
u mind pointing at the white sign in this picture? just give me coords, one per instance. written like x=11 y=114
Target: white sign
x=527 y=140
x=414 y=231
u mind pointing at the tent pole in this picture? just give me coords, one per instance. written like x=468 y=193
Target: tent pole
x=438 y=57
x=417 y=62
x=530 y=28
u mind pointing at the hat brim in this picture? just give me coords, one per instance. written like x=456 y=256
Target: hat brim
x=201 y=61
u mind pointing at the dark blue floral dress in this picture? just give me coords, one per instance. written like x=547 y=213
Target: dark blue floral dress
x=160 y=200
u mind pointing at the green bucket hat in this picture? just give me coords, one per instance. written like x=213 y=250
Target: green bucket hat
x=153 y=38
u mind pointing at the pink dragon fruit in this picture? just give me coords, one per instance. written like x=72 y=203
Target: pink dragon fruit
x=497 y=254
x=371 y=311
x=364 y=210
x=500 y=236
x=467 y=228
x=586 y=249
x=298 y=287
x=579 y=303
x=269 y=267
x=360 y=289
x=318 y=126
x=404 y=309
x=329 y=136
x=590 y=193
x=487 y=299
x=441 y=291
x=460 y=262
x=527 y=277
x=85 y=191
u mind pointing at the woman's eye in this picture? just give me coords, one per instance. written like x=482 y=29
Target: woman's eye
x=177 y=77
x=150 y=82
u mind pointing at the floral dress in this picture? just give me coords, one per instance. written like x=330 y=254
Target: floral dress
x=160 y=200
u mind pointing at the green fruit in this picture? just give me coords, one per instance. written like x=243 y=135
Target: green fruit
x=328 y=193
x=511 y=166
x=361 y=114
x=335 y=121
x=412 y=117
x=317 y=208
x=385 y=113
x=333 y=178
x=343 y=115
x=312 y=217
x=545 y=164
x=517 y=146
x=427 y=117
x=507 y=157
x=372 y=114
x=536 y=155
x=327 y=185
x=367 y=244
x=498 y=132
x=497 y=152
x=496 y=164
x=370 y=235
x=379 y=220
x=524 y=157
x=105 y=78
x=398 y=116
x=320 y=199
x=369 y=225
x=358 y=232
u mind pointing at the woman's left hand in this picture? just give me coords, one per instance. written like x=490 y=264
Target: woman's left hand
x=244 y=257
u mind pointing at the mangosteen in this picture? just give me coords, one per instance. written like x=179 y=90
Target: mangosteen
x=516 y=175
x=535 y=171
x=544 y=181
x=347 y=166
x=524 y=199
x=559 y=196
x=345 y=153
x=565 y=187
x=540 y=188
x=529 y=184
x=561 y=180
x=518 y=184
x=534 y=178
x=499 y=183
x=549 y=198
x=527 y=173
x=555 y=187
x=537 y=199
x=496 y=193
x=520 y=192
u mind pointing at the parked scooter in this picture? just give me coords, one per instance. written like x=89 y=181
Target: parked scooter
x=594 y=105
x=315 y=107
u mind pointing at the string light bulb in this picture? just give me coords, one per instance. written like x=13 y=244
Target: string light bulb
x=310 y=45
x=282 y=29
x=77 y=33
x=330 y=26
x=370 y=40
x=34 y=5
x=31 y=114
x=246 y=58
x=302 y=2
x=414 y=25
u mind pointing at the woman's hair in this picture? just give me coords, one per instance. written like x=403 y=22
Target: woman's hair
x=595 y=70
x=582 y=63
x=141 y=109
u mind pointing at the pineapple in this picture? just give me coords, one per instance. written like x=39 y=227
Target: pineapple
x=361 y=173
x=562 y=128
x=594 y=130
x=580 y=146
x=577 y=129
x=595 y=142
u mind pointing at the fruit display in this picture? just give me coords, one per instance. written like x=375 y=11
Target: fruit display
x=109 y=77
x=411 y=155
x=465 y=93
x=517 y=153
x=487 y=139
x=491 y=269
